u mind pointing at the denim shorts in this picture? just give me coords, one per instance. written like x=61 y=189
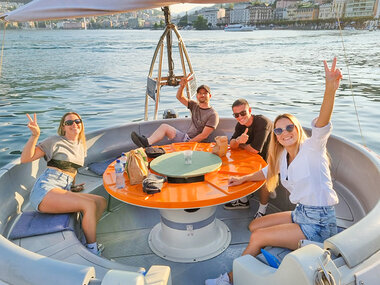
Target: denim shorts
x=316 y=222
x=180 y=137
x=49 y=179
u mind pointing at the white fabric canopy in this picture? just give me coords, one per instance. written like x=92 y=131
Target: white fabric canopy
x=40 y=10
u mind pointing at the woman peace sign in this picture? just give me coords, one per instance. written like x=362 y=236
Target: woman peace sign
x=33 y=126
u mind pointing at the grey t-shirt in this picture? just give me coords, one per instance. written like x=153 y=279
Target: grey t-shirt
x=201 y=118
x=60 y=148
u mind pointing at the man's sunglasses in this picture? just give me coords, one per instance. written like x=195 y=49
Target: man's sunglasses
x=242 y=113
x=288 y=128
x=70 y=122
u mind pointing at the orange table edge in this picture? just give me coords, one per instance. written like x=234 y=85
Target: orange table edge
x=213 y=191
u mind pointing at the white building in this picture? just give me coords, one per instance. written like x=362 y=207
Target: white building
x=260 y=13
x=332 y=10
x=280 y=14
x=360 y=8
x=240 y=14
x=325 y=11
x=212 y=15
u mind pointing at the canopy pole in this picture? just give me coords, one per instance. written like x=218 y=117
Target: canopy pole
x=2 y=48
x=171 y=79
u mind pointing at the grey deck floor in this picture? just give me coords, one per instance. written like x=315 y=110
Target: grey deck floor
x=124 y=232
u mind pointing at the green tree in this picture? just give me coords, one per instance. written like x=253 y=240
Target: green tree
x=183 y=22
x=200 y=23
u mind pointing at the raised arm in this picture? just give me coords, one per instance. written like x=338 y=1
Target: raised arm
x=333 y=77
x=180 y=96
x=30 y=151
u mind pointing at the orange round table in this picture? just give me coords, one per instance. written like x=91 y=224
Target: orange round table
x=189 y=231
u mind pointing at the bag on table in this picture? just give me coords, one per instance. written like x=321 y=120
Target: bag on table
x=221 y=146
x=153 y=152
x=136 y=166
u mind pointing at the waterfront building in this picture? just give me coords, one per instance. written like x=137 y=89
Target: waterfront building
x=286 y=3
x=260 y=13
x=326 y=11
x=212 y=15
x=136 y=23
x=280 y=14
x=360 y=8
x=307 y=13
x=376 y=12
x=338 y=8
x=240 y=14
x=332 y=10
x=70 y=25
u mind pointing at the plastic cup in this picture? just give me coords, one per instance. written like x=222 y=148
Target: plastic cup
x=188 y=155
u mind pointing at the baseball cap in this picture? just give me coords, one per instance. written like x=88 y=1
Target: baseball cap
x=205 y=87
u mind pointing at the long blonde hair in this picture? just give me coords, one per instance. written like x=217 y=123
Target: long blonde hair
x=275 y=150
x=61 y=129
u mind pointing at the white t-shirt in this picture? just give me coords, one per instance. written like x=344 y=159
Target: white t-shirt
x=308 y=177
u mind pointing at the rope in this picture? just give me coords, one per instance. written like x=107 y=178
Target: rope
x=349 y=77
x=320 y=278
x=2 y=48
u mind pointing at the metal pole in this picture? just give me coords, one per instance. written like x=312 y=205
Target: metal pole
x=159 y=82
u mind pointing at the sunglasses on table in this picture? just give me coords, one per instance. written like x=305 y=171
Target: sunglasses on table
x=242 y=113
x=288 y=128
x=70 y=122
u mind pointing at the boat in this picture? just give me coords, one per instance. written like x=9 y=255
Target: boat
x=239 y=28
x=351 y=256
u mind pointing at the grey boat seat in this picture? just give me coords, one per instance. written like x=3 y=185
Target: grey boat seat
x=67 y=245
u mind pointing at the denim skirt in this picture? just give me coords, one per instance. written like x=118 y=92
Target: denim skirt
x=316 y=222
x=49 y=179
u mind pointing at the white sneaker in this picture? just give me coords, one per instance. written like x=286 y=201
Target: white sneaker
x=221 y=280
x=258 y=215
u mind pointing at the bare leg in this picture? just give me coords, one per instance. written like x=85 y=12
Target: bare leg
x=274 y=230
x=101 y=204
x=163 y=130
x=264 y=195
x=59 y=201
x=271 y=220
x=283 y=235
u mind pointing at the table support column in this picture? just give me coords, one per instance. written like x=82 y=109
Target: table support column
x=185 y=236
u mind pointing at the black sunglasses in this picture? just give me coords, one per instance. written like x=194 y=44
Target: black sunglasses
x=242 y=113
x=288 y=128
x=70 y=122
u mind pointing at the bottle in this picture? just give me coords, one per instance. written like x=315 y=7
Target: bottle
x=119 y=173
x=123 y=159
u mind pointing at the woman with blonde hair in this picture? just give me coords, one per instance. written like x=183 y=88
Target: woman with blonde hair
x=64 y=154
x=303 y=166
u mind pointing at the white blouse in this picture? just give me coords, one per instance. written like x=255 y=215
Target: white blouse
x=308 y=177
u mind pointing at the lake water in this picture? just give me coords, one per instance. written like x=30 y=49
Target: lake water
x=101 y=74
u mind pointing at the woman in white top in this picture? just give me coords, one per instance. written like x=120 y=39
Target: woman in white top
x=64 y=153
x=304 y=171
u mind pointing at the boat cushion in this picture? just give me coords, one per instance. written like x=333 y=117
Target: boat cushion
x=35 y=223
x=99 y=167
x=273 y=255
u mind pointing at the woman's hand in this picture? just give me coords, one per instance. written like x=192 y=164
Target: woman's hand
x=333 y=75
x=233 y=181
x=30 y=151
x=33 y=126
